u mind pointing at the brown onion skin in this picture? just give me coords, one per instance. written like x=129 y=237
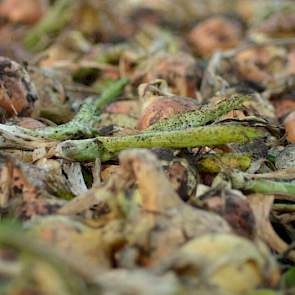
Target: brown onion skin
x=289 y=124
x=179 y=70
x=17 y=91
x=164 y=107
x=30 y=123
x=214 y=33
x=283 y=106
x=23 y=11
x=251 y=64
x=128 y=107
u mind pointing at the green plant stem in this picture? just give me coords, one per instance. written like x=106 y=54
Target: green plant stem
x=270 y=187
x=57 y=17
x=264 y=292
x=110 y=93
x=284 y=207
x=199 y=117
x=107 y=147
x=81 y=125
x=241 y=181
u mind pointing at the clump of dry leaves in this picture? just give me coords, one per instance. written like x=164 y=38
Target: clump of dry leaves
x=147 y=147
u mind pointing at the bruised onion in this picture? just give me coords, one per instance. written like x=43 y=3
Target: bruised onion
x=61 y=233
x=19 y=11
x=232 y=263
x=215 y=33
x=179 y=70
x=17 y=92
x=260 y=64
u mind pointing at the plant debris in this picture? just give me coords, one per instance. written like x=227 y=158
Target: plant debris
x=147 y=147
